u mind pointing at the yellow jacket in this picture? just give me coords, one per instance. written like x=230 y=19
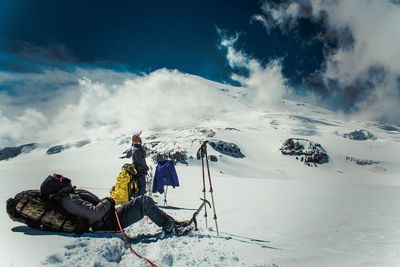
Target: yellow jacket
x=120 y=194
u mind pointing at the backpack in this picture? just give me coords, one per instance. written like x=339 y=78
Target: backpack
x=126 y=186
x=40 y=210
x=133 y=185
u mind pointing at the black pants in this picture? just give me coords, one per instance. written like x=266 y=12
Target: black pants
x=141 y=179
x=135 y=209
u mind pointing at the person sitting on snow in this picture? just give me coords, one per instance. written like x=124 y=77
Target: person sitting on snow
x=101 y=213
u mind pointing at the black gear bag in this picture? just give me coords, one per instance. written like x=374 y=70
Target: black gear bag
x=40 y=209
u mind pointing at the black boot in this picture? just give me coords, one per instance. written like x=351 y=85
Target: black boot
x=182 y=223
x=173 y=227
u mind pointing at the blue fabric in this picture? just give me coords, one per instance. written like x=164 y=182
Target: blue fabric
x=165 y=175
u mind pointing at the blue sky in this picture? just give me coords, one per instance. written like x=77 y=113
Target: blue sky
x=146 y=35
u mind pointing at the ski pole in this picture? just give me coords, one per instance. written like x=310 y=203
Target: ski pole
x=211 y=191
x=200 y=154
x=165 y=195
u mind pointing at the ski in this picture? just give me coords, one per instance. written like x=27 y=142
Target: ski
x=193 y=219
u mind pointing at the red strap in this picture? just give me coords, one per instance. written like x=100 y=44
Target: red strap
x=129 y=245
x=58 y=177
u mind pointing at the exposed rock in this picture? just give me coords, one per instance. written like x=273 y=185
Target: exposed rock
x=208 y=132
x=227 y=148
x=176 y=156
x=362 y=162
x=59 y=148
x=125 y=140
x=307 y=150
x=213 y=158
x=232 y=129
x=11 y=152
x=55 y=149
x=171 y=144
x=157 y=156
x=126 y=154
x=360 y=135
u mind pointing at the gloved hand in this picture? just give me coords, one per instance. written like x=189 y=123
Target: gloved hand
x=112 y=201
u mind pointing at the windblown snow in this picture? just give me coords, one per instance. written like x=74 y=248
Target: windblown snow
x=272 y=210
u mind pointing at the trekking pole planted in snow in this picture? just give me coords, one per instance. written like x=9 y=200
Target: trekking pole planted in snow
x=203 y=153
x=211 y=190
x=165 y=195
x=200 y=154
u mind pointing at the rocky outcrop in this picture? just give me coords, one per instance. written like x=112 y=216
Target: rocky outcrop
x=157 y=151
x=177 y=145
x=231 y=129
x=175 y=156
x=308 y=152
x=127 y=140
x=213 y=158
x=170 y=144
x=59 y=148
x=227 y=148
x=126 y=154
x=208 y=132
x=360 y=135
x=55 y=149
x=362 y=162
x=11 y=152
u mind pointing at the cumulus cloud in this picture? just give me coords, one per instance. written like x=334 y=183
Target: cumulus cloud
x=100 y=103
x=265 y=85
x=22 y=127
x=364 y=67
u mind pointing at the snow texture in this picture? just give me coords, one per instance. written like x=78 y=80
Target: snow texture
x=271 y=211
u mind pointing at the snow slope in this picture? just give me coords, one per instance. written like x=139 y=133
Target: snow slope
x=272 y=209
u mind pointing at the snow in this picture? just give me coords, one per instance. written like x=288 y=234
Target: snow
x=272 y=210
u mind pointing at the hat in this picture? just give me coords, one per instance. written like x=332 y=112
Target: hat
x=54 y=184
x=136 y=135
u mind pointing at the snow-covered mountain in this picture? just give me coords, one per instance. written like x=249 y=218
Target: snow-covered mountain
x=272 y=208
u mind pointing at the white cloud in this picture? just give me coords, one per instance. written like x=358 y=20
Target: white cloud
x=95 y=107
x=373 y=26
x=259 y=18
x=22 y=128
x=265 y=85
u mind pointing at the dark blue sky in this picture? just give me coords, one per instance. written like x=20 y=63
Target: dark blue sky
x=142 y=36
